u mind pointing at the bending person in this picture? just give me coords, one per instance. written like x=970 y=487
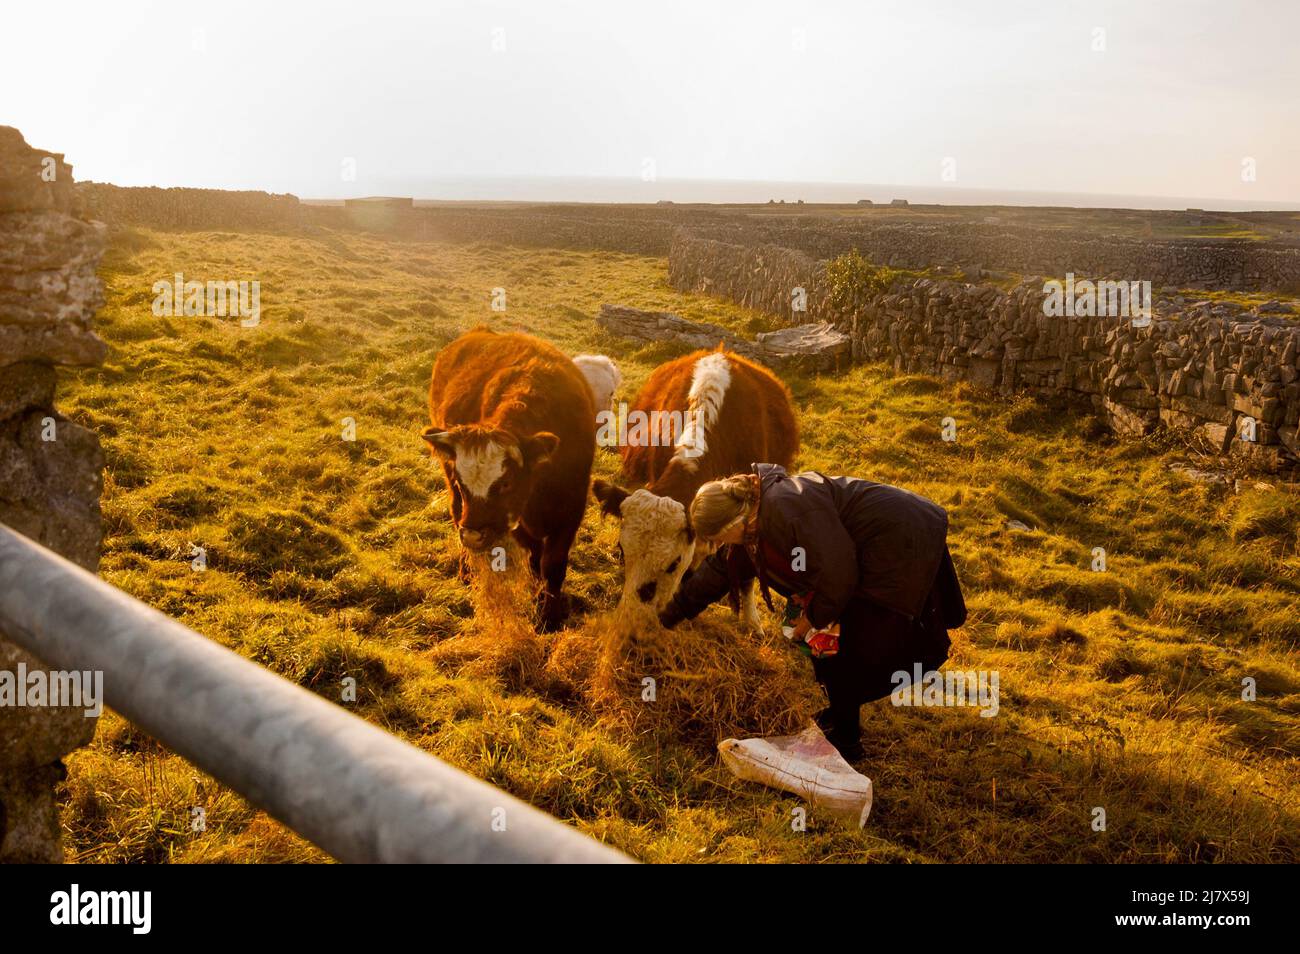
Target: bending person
x=867 y=556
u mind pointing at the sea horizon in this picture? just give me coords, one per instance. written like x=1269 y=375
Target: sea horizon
x=632 y=190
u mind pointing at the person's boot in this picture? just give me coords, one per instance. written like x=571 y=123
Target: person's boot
x=846 y=735
x=848 y=743
x=825 y=721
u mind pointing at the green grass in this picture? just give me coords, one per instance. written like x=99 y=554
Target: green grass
x=1243 y=299
x=329 y=559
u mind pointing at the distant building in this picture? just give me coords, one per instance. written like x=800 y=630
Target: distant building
x=865 y=202
x=898 y=202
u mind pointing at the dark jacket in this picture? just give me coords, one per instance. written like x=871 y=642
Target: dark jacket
x=835 y=538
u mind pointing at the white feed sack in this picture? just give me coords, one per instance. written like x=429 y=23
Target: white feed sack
x=806 y=765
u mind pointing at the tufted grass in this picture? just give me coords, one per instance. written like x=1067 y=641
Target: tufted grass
x=330 y=559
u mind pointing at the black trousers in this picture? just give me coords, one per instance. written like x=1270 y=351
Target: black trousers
x=875 y=643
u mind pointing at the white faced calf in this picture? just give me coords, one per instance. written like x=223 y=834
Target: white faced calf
x=656 y=542
x=603 y=377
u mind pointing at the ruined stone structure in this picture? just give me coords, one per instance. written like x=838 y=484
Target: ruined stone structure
x=50 y=469
x=1197 y=368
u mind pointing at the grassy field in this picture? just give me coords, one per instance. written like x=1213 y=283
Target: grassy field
x=330 y=558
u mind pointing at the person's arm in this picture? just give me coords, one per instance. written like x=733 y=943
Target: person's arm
x=708 y=584
x=830 y=574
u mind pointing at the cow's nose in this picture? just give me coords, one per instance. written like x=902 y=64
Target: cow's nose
x=474 y=539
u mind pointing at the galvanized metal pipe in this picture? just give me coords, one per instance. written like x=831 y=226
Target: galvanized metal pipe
x=356 y=791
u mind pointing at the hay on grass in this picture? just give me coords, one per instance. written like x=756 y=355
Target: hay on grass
x=699 y=683
x=499 y=641
x=711 y=680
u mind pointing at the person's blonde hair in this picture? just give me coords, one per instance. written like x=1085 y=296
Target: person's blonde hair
x=720 y=503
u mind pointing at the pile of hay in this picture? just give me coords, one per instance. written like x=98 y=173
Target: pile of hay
x=500 y=640
x=701 y=682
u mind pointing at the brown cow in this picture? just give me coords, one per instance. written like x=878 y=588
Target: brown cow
x=512 y=422
x=732 y=413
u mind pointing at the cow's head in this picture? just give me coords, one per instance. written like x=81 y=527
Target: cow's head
x=490 y=473
x=656 y=542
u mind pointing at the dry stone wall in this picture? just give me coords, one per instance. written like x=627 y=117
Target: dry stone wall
x=195 y=209
x=50 y=468
x=1197 y=368
x=1181 y=263
x=648 y=230
x=609 y=228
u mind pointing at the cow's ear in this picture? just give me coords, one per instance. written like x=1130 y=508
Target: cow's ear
x=611 y=497
x=538 y=448
x=441 y=441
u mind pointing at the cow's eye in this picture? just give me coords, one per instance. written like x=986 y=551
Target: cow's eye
x=673 y=566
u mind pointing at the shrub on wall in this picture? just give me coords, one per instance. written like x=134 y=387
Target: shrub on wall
x=853 y=279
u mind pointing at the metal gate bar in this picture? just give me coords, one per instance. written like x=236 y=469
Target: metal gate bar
x=356 y=791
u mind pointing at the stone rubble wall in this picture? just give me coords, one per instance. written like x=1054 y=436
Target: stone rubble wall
x=1198 y=368
x=648 y=230
x=49 y=488
x=636 y=231
x=189 y=209
x=1241 y=264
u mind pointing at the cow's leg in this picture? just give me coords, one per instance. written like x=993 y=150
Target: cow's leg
x=749 y=607
x=534 y=547
x=555 y=565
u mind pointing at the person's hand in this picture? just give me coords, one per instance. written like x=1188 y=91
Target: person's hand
x=801 y=627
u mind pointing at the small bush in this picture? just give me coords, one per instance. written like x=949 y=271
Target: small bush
x=853 y=279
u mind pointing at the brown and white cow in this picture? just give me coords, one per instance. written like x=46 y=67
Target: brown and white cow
x=512 y=423
x=732 y=413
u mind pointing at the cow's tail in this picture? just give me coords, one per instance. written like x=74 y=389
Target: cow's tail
x=603 y=377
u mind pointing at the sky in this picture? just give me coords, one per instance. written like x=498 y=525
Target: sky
x=1177 y=98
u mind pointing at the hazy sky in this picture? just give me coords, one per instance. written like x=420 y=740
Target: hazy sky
x=278 y=95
